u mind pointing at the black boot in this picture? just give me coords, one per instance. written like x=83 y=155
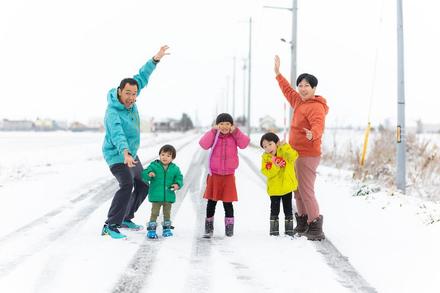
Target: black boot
x=274 y=226
x=209 y=227
x=314 y=232
x=301 y=224
x=288 y=226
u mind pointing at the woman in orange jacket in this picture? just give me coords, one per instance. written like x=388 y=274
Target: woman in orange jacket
x=306 y=129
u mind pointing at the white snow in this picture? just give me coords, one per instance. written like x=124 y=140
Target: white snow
x=55 y=191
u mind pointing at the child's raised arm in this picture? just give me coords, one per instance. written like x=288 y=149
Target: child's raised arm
x=241 y=138
x=208 y=139
x=290 y=154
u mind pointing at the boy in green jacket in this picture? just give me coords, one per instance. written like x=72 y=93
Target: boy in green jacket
x=165 y=178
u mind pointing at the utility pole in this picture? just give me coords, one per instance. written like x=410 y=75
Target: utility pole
x=293 y=51
x=227 y=94
x=401 y=139
x=293 y=47
x=244 y=89
x=233 y=86
x=248 y=120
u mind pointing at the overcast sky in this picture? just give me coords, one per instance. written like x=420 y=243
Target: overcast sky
x=59 y=58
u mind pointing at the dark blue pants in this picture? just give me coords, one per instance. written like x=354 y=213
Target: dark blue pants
x=275 y=201
x=132 y=192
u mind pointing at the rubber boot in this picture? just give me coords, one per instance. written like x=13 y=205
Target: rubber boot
x=209 y=227
x=229 y=226
x=166 y=232
x=288 y=226
x=274 y=226
x=151 y=230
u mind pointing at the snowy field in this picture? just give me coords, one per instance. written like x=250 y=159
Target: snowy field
x=55 y=191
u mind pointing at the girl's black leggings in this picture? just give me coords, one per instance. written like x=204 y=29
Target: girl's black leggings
x=210 y=209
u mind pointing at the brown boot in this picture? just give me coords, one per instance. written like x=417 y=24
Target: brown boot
x=301 y=225
x=314 y=232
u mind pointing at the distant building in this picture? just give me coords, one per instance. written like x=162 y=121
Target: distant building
x=79 y=127
x=45 y=124
x=61 y=125
x=267 y=123
x=423 y=128
x=166 y=125
x=16 y=125
x=433 y=128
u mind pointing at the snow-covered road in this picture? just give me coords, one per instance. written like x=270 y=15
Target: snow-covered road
x=58 y=248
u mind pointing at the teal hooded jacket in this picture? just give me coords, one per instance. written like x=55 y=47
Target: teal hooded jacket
x=122 y=125
x=160 y=185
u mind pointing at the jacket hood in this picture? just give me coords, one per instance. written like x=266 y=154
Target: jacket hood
x=322 y=101
x=159 y=163
x=113 y=101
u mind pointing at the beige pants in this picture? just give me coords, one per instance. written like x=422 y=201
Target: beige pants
x=155 y=210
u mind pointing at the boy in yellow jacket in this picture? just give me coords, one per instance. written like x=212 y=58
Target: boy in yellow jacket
x=277 y=164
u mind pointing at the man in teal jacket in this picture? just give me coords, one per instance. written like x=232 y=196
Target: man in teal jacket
x=121 y=143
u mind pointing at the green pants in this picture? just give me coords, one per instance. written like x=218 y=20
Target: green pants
x=155 y=210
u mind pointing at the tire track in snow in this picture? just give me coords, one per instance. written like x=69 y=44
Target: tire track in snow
x=142 y=263
x=200 y=274
x=55 y=212
x=198 y=277
x=38 y=234
x=349 y=277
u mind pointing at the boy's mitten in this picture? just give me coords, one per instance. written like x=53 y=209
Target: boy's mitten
x=280 y=162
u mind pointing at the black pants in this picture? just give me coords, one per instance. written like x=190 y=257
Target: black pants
x=132 y=192
x=275 y=201
x=210 y=209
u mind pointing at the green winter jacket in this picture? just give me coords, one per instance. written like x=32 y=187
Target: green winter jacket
x=160 y=185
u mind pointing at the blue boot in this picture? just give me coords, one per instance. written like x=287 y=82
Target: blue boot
x=112 y=231
x=128 y=224
x=167 y=229
x=151 y=230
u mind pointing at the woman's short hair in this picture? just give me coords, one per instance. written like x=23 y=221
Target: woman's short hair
x=311 y=79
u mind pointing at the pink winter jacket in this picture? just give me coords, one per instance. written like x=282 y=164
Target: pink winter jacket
x=224 y=157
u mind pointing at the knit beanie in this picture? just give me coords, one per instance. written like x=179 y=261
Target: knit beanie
x=224 y=117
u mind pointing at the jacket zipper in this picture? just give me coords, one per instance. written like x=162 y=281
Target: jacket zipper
x=164 y=183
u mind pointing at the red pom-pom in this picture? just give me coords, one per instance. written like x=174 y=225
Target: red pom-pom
x=268 y=165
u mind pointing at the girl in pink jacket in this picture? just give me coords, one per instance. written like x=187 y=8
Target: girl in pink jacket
x=223 y=139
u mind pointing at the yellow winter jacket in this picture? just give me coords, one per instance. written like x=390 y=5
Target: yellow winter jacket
x=283 y=180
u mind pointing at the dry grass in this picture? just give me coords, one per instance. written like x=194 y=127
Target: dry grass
x=423 y=163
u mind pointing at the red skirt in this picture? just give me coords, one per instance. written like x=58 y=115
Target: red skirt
x=221 y=187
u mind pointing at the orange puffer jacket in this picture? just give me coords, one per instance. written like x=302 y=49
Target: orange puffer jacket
x=308 y=114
